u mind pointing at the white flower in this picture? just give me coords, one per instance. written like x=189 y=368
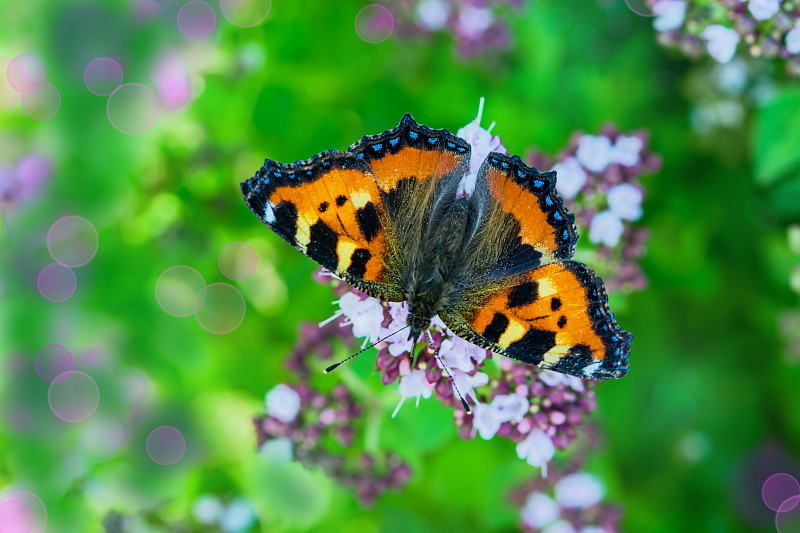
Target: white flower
x=365 y=315
x=721 y=42
x=459 y=354
x=238 y=517
x=539 y=510
x=625 y=201
x=570 y=177
x=207 y=509
x=473 y=21
x=626 y=150
x=562 y=526
x=433 y=14
x=593 y=529
x=413 y=385
x=510 y=407
x=764 y=9
x=481 y=143
x=399 y=343
x=579 y=490
x=537 y=449
x=606 y=228
x=278 y=450
x=504 y=408
x=670 y=14
x=467 y=383
x=283 y=403
x=793 y=39
x=594 y=152
x=555 y=378
x=485 y=420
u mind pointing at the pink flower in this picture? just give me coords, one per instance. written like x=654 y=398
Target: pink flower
x=459 y=354
x=474 y=21
x=172 y=82
x=364 y=314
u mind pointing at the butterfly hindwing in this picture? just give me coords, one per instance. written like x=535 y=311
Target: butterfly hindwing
x=330 y=208
x=555 y=317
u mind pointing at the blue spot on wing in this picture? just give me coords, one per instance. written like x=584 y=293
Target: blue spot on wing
x=359 y=155
x=433 y=140
x=558 y=216
x=394 y=141
x=548 y=201
x=450 y=144
x=538 y=183
x=377 y=147
x=520 y=173
x=276 y=174
x=462 y=149
x=413 y=135
x=566 y=235
x=505 y=165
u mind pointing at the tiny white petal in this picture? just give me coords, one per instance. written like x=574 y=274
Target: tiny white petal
x=594 y=152
x=606 y=228
x=433 y=14
x=486 y=420
x=510 y=407
x=537 y=448
x=670 y=14
x=466 y=383
x=793 y=39
x=625 y=201
x=626 y=150
x=474 y=21
x=539 y=510
x=238 y=517
x=570 y=177
x=283 y=403
x=721 y=42
x=764 y=9
x=579 y=490
x=413 y=385
x=481 y=144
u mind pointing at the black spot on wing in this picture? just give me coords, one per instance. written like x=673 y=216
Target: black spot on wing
x=555 y=304
x=323 y=207
x=496 y=328
x=578 y=357
x=358 y=263
x=368 y=221
x=562 y=321
x=322 y=245
x=341 y=200
x=285 y=223
x=523 y=294
x=532 y=346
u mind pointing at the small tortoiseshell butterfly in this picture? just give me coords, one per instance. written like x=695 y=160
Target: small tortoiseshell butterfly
x=385 y=217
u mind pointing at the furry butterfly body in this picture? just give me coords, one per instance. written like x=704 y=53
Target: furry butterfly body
x=494 y=266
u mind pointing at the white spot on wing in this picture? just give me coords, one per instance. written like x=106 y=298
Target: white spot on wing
x=360 y=198
x=269 y=212
x=591 y=369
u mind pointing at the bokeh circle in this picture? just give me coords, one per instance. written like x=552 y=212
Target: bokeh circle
x=237 y=260
x=177 y=289
x=132 y=108
x=196 y=19
x=43 y=103
x=374 y=23
x=245 y=13
x=8 y=95
x=778 y=489
x=649 y=8
x=53 y=362
x=165 y=445
x=72 y=241
x=57 y=282
x=73 y=396
x=26 y=73
x=15 y=517
x=102 y=76
x=220 y=308
x=30 y=500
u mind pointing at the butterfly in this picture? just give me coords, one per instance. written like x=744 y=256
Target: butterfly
x=386 y=217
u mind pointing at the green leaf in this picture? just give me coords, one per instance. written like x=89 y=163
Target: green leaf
x=775 y=150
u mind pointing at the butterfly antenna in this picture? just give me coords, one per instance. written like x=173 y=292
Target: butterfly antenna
x=447 y=370
x=333 y=366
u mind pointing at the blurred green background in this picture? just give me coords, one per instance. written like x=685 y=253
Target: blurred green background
x=713 y=398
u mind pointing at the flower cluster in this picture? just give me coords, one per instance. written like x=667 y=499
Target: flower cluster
x=765 y=28
x=598 y=177
x=477 y=26
x=567 y=502
x=23 y=180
